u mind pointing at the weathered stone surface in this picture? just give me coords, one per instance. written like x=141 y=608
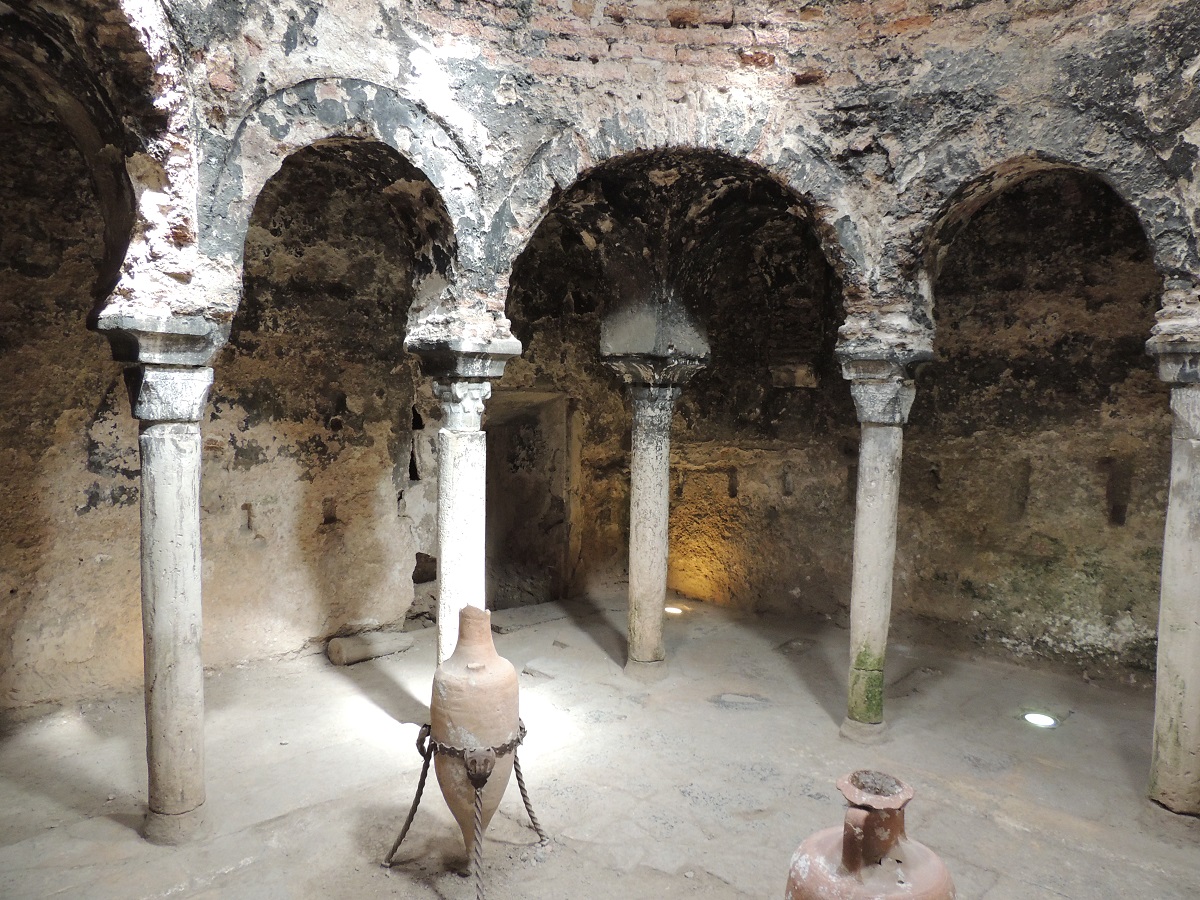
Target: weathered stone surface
x=1014 y=187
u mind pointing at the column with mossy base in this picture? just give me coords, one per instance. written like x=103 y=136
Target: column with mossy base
x=1175 y=769
x=462 y=372
x=169 y=381
x=883 y=396
x=653 y=385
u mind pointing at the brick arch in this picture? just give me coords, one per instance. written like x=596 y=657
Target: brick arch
x=960 y=175
x=791 y=159
x=321 y=110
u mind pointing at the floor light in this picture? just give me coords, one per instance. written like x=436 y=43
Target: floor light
x=1041 y=720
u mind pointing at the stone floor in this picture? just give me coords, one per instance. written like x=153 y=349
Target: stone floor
x=699 y=784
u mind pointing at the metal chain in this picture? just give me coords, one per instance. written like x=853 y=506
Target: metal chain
x=426 y=751
x=460 y=752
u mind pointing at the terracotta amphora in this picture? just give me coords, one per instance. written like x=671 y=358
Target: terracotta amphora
x=474 y=707
x=869 y=857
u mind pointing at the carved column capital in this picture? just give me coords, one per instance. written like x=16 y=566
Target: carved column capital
x=167 y=362
x=883 y=393
x=1185 y=404
x=168 y=393
x=463 y=401
x=670 y=370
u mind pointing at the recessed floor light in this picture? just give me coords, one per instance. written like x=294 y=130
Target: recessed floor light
x=673 y=611
x=1041 y=720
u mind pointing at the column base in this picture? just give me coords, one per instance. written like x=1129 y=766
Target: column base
x=646 y=671
x=169 y=830
x=1184 y=802
x=863 y=732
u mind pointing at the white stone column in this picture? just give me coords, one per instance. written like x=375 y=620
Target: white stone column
x=169 y=381
x=462 y=505
x=649 y=513
x=653 y=388
x=169 y=402
x=462 y=371
x=1175 y=770
x=883 y=396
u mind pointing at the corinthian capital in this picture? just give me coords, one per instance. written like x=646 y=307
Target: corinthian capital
x=883 y=393
x=672 y=369
x=463 y=402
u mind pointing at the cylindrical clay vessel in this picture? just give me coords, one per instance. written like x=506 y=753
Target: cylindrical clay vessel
x=869 y=857
x=474 y=706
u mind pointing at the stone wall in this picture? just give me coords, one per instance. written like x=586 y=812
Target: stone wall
x=908 y=174
x=69 y=621
x=1036 y=462
x=318 y=492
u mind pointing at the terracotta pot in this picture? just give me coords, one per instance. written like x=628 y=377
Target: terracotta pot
x=869 y=857
x=474 y=706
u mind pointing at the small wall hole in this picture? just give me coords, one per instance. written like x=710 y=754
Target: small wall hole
x=329 y=511
x=425 y=569
x=1119 y=489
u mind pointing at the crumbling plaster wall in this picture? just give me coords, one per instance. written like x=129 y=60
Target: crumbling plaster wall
x=1036 y=459
x=69 y=620
x=759 y=513
x=877 y=113
x=318 y=492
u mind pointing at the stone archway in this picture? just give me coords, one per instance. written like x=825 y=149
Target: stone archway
x=679 y=252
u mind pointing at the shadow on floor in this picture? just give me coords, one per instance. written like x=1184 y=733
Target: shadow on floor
x=379 y=686
x=595 y=616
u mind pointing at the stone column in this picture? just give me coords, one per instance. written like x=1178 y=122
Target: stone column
x=168 y=384
x=883 y=396
x=653 y=389
x=462 y=504
x=462 y=372
x=1175 y=769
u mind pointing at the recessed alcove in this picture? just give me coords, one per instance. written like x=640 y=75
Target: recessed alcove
x=532 y=485
x=1043 y=419
x=734 y=246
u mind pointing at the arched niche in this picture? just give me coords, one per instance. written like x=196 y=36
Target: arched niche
x=795 y=158
x=319 y=479
x=1037 y=452
x=759 y=436
x=950 y=176
x=326 y=109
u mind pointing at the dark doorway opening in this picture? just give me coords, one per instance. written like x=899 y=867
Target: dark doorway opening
x=532 y=463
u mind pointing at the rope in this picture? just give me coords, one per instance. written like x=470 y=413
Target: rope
x=479 y=767
x=477 y=865
x=426 y=751
x=537 y=826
